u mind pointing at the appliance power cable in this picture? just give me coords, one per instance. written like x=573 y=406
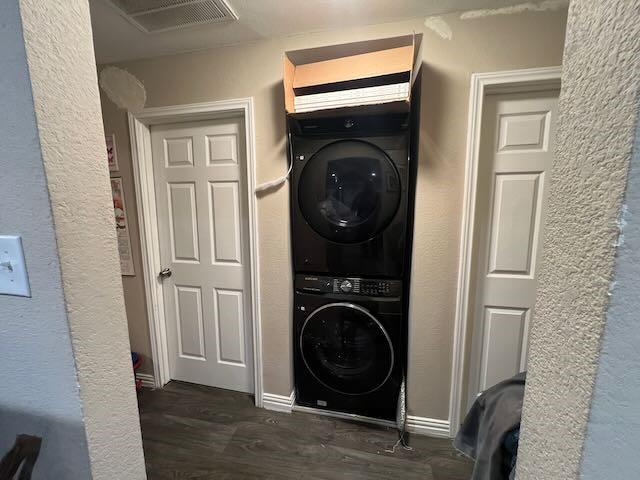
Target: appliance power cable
x=401 y=418
x=278 y=181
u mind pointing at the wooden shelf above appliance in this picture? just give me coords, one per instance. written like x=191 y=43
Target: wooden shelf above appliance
x=371 y=72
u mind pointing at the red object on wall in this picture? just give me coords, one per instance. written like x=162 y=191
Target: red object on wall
x=137 y=361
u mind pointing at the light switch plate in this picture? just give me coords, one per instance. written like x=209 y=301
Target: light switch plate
x=13 y=269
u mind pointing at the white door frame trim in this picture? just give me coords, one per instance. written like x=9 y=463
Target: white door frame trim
x=140 y=135
x=481 y=85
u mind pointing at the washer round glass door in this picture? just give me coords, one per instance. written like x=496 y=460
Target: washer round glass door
x=349 y=191
x=346 y=348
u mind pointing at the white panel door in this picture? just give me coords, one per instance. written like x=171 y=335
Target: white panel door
x=516 y=155
x=200 y=182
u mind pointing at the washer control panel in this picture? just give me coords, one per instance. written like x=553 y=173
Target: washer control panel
x=349 y=286
x=379 y=288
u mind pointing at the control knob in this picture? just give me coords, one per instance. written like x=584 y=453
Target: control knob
x=346 y=286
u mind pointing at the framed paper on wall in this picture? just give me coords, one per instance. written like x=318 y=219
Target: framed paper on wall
x=112 y=156
x=122 y=227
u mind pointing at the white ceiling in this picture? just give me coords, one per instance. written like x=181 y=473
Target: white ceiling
x=116 y=39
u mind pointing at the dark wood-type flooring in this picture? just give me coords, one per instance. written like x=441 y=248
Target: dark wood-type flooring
x=195 y=432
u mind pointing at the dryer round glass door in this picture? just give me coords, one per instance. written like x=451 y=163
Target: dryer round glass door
x=346 y=348
x=349 y=191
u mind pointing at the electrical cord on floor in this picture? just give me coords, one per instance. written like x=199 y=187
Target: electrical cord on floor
x=401 y=442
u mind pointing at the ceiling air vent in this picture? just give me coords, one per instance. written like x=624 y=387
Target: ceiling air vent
x=154 y=16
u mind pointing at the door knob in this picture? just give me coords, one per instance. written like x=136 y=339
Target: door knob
x=165 y=273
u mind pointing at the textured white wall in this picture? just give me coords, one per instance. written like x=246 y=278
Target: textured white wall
x=613 y=432
x=62 y=68
x=596 y=125
x=39 y=391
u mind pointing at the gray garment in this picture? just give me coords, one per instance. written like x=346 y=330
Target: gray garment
x=494 y=413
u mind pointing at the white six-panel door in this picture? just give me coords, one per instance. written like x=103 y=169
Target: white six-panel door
x=516 y=156
x=200 y=183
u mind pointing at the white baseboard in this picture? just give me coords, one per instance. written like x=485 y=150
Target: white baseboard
x=428 y=426
x=344 y=416
x=278 y=403
x=419 y=425
x=431 y=427
x=147 y=380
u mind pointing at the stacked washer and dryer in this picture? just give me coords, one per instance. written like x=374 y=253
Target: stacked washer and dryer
x=351 y=211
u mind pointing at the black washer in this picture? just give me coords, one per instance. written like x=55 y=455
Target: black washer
x=349 y=352
x=346 y=348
